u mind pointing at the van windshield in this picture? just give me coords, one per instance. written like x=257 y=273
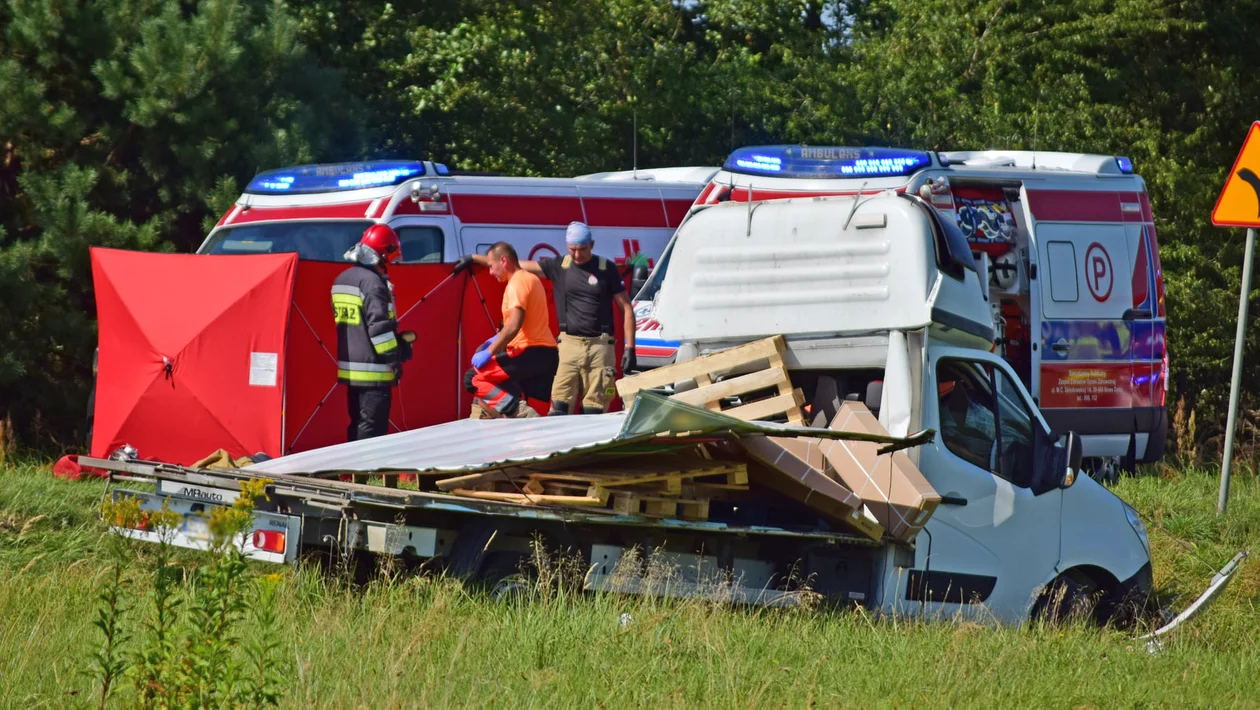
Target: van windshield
x=313 y=241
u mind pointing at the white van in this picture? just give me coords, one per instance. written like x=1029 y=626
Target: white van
x=880 y=300
x=1069 y=260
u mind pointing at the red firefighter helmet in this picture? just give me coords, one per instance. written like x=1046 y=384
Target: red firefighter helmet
x=383 y=240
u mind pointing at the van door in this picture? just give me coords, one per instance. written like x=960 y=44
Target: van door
x=1083 y=362
x=992 y=542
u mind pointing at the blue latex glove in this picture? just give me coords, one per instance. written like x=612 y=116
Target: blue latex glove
x=486 y=344
x=481 y=357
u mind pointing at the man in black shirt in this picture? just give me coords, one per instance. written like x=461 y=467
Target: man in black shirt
x=585 y=288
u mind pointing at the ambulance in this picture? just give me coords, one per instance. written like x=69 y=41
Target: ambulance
x=1067 y=242
x=320 y=211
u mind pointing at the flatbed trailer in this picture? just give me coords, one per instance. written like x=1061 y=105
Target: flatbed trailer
x=489 y=540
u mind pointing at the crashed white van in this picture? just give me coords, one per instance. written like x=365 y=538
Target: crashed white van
x=880 y=301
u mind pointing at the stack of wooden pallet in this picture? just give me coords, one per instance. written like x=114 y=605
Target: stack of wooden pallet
x=747 y=382
x=678 y=484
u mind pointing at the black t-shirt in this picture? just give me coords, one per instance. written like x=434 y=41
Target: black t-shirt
x=588 y=294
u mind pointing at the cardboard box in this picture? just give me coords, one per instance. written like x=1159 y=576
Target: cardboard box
x=890 y=485
x=784 y=472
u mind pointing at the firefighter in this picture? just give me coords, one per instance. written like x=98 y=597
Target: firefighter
x=585 y=289
x=519 y=362
x=370 y=351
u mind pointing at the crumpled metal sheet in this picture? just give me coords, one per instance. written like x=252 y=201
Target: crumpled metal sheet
x=470 y=445
x=462 y=446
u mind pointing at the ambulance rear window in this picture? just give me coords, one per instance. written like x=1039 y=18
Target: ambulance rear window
x=313 y=241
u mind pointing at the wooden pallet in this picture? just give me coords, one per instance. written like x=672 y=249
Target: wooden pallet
x=655 y=485
x=710 y=391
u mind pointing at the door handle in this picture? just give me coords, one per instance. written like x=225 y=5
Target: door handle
x=1061 y=347
x=953 y=500
x=1137 y=314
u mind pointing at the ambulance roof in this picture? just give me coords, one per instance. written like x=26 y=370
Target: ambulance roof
x=836 y=169
x=340 y=177
x=802 y=268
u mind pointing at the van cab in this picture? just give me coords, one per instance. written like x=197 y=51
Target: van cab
x=1067 y=259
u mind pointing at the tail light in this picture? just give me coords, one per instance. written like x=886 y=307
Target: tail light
x=1163 y=371
x=269 y=540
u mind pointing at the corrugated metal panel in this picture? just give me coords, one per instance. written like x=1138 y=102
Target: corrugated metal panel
x=478 y=444
x=463 y=445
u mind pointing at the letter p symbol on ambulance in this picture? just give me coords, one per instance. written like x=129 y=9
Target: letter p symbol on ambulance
x=1098 y=272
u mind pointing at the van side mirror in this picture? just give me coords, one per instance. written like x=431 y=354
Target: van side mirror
x=1075 y=451
x=639 y=279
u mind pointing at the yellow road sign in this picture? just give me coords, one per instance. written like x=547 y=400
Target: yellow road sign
x=1239 y=203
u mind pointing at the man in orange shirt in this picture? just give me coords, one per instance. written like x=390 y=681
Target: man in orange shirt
x=521 y=360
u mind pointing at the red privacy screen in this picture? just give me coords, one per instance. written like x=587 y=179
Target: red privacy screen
x=252 y=351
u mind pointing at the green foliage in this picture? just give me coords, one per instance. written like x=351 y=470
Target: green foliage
x=123 y=125
x=430 y=642
x=189 y=652
x=134 y=126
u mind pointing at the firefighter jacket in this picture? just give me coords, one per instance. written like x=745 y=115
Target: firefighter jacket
x=367 y=337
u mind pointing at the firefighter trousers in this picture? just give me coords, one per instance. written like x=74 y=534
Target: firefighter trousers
x=587 y=368
x=509 y=377
x=369 y=411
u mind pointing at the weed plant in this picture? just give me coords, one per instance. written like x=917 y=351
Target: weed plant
x=408 y=640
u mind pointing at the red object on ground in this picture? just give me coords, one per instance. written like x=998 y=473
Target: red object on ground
x=69 y=468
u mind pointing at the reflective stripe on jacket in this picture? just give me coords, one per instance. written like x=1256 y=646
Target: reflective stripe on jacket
x=367 y=332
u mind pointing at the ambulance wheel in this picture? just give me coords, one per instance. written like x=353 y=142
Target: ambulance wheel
x=1104 y=469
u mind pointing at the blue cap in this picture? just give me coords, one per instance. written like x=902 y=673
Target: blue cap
x=578 y=234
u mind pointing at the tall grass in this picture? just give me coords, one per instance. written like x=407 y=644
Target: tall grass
x=407 y=641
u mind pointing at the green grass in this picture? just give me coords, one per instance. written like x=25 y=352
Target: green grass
x=426 y=642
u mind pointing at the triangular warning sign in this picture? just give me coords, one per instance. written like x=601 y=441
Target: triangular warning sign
x=1239 y=203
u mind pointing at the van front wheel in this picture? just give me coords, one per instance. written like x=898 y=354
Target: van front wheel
x=1070 y=597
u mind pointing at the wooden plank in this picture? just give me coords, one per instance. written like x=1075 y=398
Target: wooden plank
x=472 y=479
x=569 y=476
x=693 y=509
x=678 y=475
x=763 y=408
x=598 y=493
x=660 y=507
x=743 y=384
x=727 y=359
x=625 y=503
x=530 y=499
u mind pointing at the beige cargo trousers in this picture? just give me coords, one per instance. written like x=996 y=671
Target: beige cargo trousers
x=587 y=365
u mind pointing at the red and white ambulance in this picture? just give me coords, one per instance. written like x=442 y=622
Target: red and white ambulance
x=244 y=345
x=1068 y=241
x=320 y=211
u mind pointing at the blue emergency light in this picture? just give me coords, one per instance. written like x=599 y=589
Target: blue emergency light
x=1125 y=165
x=335 y=177
x=809 y=161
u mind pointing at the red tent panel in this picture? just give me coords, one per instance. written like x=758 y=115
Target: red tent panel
x=191 y=352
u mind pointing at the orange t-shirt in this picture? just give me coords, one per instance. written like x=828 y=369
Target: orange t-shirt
x=525 y=291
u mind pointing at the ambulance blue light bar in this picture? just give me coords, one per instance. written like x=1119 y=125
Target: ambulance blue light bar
x=334 y=177
x=808 y=161
x=1125 y=165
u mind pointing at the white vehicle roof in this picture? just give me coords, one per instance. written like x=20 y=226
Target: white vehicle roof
x=791 y=266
